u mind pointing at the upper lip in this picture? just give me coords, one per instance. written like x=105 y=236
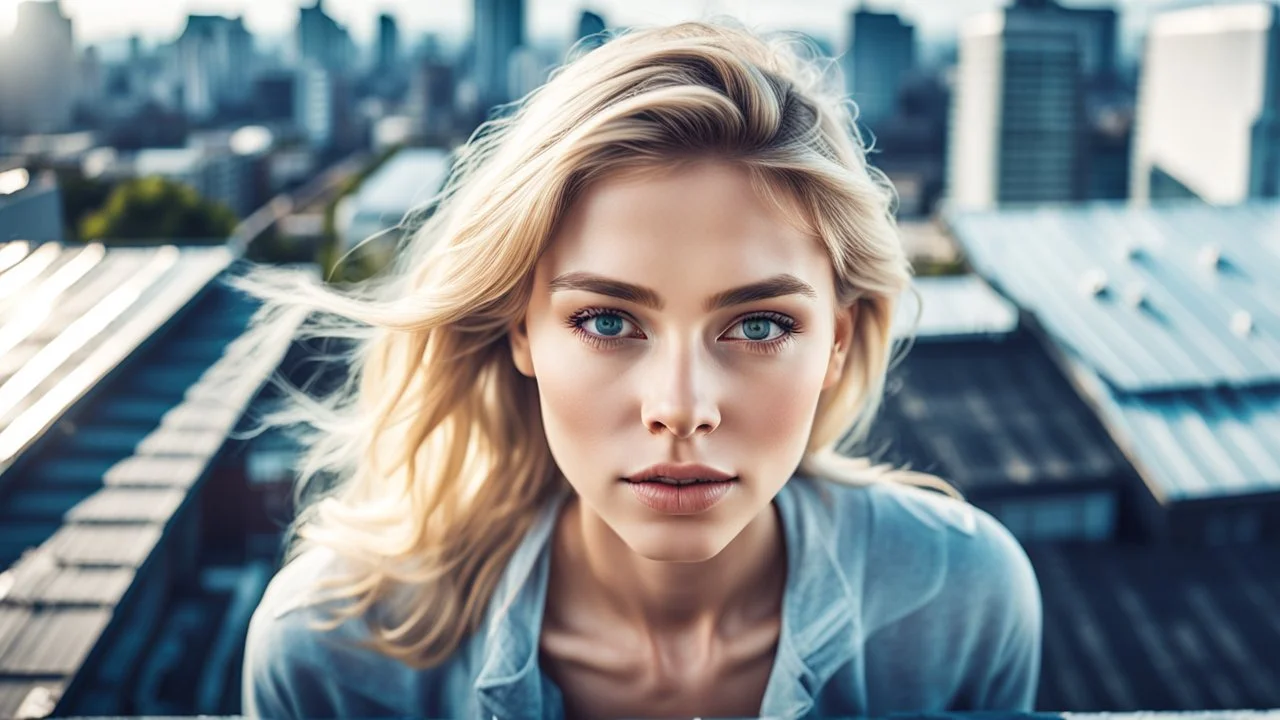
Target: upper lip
x=679 y=473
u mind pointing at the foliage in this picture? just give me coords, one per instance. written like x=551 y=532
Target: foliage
x=155 y=208
x=80 y=196
x=928 y=267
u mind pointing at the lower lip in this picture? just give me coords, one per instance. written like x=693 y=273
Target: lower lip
x=681 y=499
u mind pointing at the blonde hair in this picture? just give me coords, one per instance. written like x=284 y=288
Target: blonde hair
x=436 y=437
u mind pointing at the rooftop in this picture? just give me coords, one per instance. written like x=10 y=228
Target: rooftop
x=123 y=377
x=406 y=181
x=978 y=401
x=962 y=306
x=1132 y=628
x=1169 y=321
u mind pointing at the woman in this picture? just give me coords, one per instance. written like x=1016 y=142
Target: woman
x=589 y=466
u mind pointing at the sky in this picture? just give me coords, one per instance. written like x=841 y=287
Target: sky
x=161 y=20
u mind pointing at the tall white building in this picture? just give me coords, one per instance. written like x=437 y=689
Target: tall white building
x=1208 y=117
x=38 y=71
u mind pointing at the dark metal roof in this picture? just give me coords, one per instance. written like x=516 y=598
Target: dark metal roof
x=990 y=415
x=1180 y=351
x=89 y=499
x=1159 y=628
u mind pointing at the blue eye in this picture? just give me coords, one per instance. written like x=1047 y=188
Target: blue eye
x=607 y=325
x=603 y=325
x=758 y=330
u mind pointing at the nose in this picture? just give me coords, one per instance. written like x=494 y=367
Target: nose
x=679 y=397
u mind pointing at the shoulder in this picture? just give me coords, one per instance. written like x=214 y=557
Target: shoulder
x=922 y=548
x=291 y=657
x=947 y=586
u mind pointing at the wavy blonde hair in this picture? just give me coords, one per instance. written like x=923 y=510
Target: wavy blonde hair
x=436 y=437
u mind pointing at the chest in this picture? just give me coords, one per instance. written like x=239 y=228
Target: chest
x=603 y=677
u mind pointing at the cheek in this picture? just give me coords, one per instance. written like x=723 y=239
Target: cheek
x=586 y=398
x=773 y=404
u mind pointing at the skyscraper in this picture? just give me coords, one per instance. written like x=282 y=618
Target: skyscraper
x=882 y=51
x=498 y=31
x=321 y=106
x=1208 y=117
x=591 y=25
x=215 y=56
x=322 y=41
x=388 y=43
x=37 y=71
x=1018 y=120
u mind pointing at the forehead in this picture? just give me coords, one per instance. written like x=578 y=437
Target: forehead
x=702 y=223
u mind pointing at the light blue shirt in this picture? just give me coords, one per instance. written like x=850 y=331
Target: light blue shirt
x=896 y=600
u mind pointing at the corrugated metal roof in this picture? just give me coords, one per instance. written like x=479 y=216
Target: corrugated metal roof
x=38 y=579
x=104 y=545
x=70 y=314
x=989 y=415
x=1152 y=298
x=947 y=307
x=1131 y=628
x=92 y=504
x=1206 y=443
x=1194 y=402
x=28 y=698
x=55 y=642
x=128 y=505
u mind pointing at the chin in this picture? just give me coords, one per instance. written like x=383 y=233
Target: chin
x=693 y=543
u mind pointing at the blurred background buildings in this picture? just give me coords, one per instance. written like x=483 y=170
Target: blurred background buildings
x=1088 y=191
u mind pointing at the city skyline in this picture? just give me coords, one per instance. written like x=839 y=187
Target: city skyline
x=97 y=21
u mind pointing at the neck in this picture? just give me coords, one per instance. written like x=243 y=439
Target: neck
x=740 y=586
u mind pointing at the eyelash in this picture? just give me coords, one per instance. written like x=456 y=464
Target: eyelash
x=790 y=328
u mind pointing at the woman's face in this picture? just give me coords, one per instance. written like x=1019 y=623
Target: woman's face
x=678 y=319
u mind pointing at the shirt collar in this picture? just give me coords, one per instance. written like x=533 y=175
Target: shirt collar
x=820 y=612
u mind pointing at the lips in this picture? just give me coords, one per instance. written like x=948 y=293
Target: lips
x=676 y=481
x=679 y=474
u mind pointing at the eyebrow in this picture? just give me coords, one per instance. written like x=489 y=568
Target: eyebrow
x=776 y=286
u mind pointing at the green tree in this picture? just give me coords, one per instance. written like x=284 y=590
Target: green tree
x=155 y=208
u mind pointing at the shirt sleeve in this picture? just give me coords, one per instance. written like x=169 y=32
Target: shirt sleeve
x=287 y=671
x=1015 y=618
x=272 y=680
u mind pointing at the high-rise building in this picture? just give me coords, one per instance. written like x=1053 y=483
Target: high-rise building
x=882 y=52
x=1018 y=122
x=1208 y=117
x=273 y=95
x=321 y=106
x=215 y=56
x=591 y=25
x=90 y=82
x=526 y=71
x=388 y=44
x=322 y=41
x=1095 y=30
x=37 y=71
x=431 y=99
x=498 y=31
